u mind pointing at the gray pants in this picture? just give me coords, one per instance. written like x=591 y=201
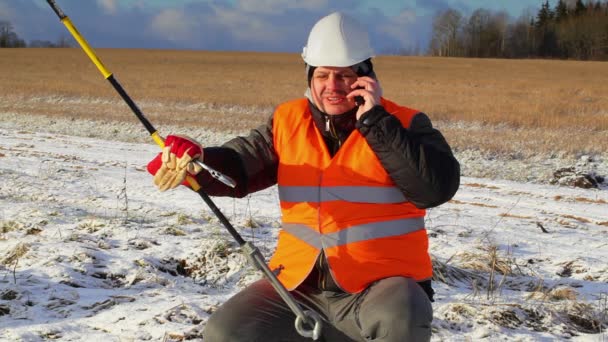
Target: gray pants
x=392 y=309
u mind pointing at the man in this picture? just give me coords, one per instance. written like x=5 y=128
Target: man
x=355 y=172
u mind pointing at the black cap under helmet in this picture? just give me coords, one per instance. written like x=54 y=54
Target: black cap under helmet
x=365 y=68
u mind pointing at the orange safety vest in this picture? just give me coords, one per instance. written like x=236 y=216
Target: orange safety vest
x=347 y=206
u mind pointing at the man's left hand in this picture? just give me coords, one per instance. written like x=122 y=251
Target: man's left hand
x=171 y=166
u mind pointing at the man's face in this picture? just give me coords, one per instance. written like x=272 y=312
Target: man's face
x=329 y=87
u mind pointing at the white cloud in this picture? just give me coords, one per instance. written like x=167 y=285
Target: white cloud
x=245 y=27
x=398 y=26
x=108 y=6
x=309 y=5
x=6 y=12
x=279 y=6
x=174 y=25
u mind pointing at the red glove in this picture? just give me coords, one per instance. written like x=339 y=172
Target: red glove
x=171 y=167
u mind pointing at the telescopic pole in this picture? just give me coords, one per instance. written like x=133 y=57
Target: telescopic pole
x=121 y=91
x=308 y=323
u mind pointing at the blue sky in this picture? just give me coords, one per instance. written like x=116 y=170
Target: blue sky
x=245 y=25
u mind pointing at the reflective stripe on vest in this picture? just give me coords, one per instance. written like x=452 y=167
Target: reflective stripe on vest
x=357 y=233
x=361 y=194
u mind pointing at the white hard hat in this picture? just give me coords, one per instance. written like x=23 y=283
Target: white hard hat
x=337 y=40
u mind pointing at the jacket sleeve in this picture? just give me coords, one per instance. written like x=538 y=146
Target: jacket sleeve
x=418 y=158
x=251 y=161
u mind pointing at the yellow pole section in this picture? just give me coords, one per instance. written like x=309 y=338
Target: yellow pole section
x=193 y=183
x=106 y=73
x=85 y=46
x=159 y=141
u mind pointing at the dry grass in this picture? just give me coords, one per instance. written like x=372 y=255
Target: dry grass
x=523 y=93
x=251 y=79
x=580 y=199
x=577 y=218
x=450 y=274
x=515 y=216
x=13 y=255
x=487 y=260
x=516 y=107
x=588 y=200
x=483 y=205
x=484 y=186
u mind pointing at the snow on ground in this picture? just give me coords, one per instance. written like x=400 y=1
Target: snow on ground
x=91 y=251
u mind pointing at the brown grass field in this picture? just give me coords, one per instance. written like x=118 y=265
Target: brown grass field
x=514 y=107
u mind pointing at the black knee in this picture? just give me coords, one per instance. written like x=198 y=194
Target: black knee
x=217 y=330
x=397 y=309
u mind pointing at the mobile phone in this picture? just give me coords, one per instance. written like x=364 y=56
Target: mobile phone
x=359 y=101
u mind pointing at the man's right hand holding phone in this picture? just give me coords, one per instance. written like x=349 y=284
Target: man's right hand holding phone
x=368 y=90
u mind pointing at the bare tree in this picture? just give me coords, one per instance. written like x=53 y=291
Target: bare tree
x=62 y=42
x=497 y=34
x=65 y=42
x=37 y=43
x=520 y=37
x=446 y=29
x=475 y=30
x=8 y=38
x=572 y=29
x=584 y=35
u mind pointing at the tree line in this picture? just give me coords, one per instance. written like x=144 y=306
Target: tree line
x=10 y=39
x=573 y=29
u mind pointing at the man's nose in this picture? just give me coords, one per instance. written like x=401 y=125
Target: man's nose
x=333 y=81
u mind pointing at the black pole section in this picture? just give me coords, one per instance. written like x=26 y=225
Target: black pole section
x=56 y=8
x=222 y=218
x=131 y=104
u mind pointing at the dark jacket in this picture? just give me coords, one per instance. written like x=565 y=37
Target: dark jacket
x=418 y=159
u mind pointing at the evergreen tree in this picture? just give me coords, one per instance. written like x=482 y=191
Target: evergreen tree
x=545 y=15
x=579 y=8
x=561 y=11
x=597 y=8
x=572 y=29
x=545 y=32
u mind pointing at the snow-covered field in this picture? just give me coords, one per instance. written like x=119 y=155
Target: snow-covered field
x=91 y=251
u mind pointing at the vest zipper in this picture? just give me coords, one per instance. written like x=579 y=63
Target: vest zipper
x=322 y=278
x=321 y=283
x=322 y=264
x=331 y=129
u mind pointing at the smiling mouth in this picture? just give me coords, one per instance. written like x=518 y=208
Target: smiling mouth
x=335 y=98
